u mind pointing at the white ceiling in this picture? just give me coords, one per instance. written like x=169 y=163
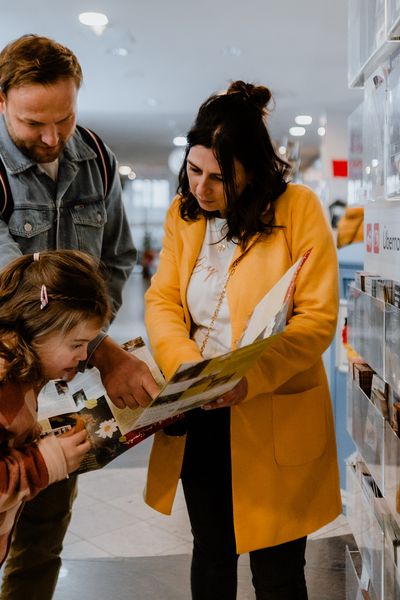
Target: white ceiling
x=180 y=51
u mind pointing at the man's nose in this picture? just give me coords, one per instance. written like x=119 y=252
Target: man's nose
x=49 y=135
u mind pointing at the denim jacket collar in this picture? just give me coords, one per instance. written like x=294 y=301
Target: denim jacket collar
x=16 y=162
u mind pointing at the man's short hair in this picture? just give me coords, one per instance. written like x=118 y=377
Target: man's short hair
x=36 y=59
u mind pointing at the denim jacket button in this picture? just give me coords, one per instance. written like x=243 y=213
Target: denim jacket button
x=28 y=227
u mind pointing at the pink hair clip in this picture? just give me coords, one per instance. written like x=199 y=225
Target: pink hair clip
x=43 y=297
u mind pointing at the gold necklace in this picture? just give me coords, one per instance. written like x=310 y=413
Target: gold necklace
x=221 y=297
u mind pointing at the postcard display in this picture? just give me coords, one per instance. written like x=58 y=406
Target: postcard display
x=373 y=387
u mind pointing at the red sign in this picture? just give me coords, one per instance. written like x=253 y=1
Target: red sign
x=339 y=168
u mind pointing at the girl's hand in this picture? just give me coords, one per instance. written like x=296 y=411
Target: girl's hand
x=234 y=396
x=74 y=446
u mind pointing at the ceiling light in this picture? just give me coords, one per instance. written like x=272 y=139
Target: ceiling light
x=374 y=163
x=282 y=150
x=179 y=140
x=97 y=21
x=132 y=175
x=124 y=170
x=321 y=131
x=303 y=120
x=232 y=51
x=297 y=131
x=119 y=51
x=93 y=19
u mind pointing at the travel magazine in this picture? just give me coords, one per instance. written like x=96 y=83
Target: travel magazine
x=83 y=402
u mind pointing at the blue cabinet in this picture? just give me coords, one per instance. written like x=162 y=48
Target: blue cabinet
x=351 y=259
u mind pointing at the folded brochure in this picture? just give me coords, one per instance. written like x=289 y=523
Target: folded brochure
x=84 y=401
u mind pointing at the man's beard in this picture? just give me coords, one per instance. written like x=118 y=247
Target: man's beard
x=40 y=154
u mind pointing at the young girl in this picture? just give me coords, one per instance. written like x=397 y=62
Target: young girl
x=51 y=305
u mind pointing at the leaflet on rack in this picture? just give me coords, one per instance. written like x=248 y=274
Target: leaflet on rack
x=113 y=430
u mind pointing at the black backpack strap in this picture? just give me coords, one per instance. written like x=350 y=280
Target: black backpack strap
x=6 y=199
x=102 y=156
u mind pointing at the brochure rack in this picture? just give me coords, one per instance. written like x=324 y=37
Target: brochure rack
x=373 y=472
x=373 y=478
x=356 y=194
x=374 y=29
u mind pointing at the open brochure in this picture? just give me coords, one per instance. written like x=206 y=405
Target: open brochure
x=84 y=401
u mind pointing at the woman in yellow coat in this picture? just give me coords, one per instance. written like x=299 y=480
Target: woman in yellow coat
x=258 y=466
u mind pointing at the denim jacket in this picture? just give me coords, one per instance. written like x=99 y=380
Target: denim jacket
x=70 y=213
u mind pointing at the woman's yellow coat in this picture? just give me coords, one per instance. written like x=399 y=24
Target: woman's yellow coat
x=284 y=466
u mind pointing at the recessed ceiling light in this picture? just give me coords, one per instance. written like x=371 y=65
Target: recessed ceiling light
x=282 y=150
x=321 y=131
x=297 y=131
x=132 y=175
x=93 y=19
x=179 y=140
x=232 y=51
x=303 y=120
x=124 y=170
x=96 y=21
x=119 y=51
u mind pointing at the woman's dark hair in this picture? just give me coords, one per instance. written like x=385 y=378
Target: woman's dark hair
x=233 y=126
x=75 y=290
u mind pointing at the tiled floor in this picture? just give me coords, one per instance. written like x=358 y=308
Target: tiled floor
x=110 y=518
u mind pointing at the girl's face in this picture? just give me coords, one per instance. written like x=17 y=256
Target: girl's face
x=60 y=354
x=205 y=179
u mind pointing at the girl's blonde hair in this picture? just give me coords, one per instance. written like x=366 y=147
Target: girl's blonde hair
x=76 y=292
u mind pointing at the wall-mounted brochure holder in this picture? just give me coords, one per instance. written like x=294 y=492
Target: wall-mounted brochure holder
x=371 y=41
x=393 y=18
x=393 y=129
x=366 y=317
x=374 y=119
x=356 y=194
x=392 y=347
x=367 y=531
x=366 y=426
x=391 y=461
x=354 y=589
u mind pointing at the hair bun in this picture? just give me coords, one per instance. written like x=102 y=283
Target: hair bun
x=259 y=95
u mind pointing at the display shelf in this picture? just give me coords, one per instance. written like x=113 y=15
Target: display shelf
x=393 y=128
x=366 y=528
x=373 y=37
x=366 y=426
x=393 y=18
x=373 y=479
x=366 y=327
x=374 y=135
x=392 y=347
x=356 y=193
x=354 y=588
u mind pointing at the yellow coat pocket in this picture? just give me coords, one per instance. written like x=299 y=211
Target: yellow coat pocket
x=299 y=426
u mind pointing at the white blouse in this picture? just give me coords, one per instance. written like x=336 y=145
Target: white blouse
x=205 y=287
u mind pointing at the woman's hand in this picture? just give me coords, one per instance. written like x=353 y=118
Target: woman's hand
x=234 y=396
x=74 y=446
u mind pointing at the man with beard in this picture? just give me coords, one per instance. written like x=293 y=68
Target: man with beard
x=58 y=197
